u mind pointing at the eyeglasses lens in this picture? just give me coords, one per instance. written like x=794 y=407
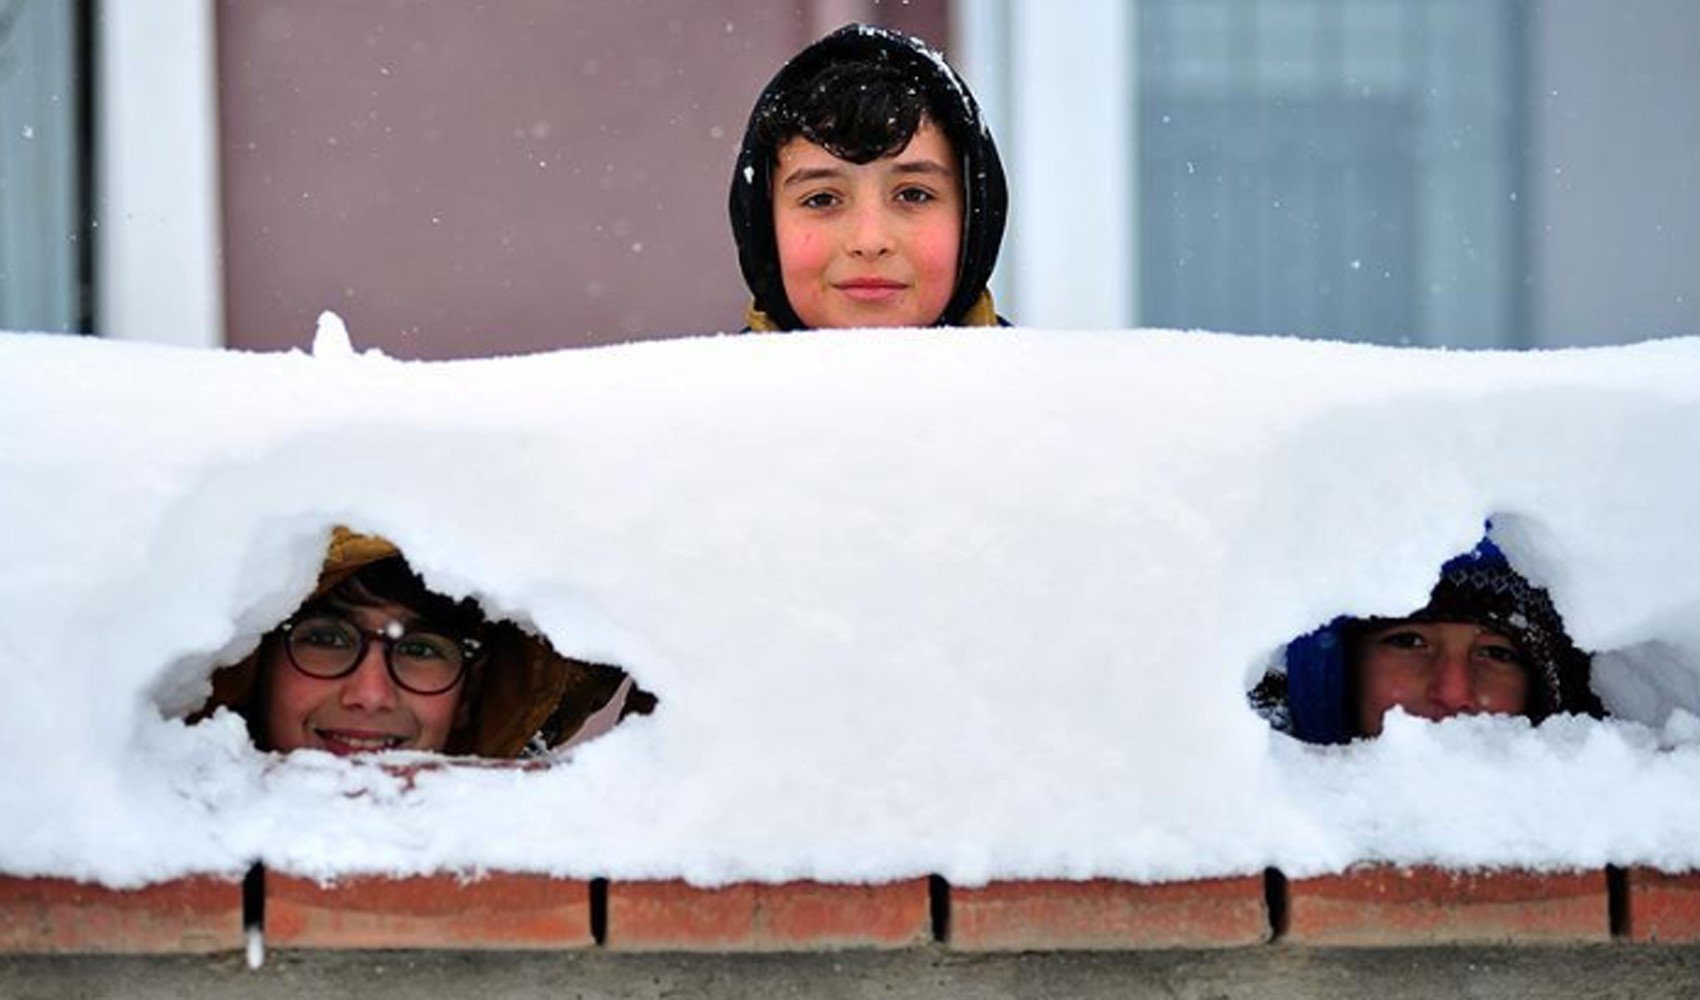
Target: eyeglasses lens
x=324 y=646
x=425 y=661
x=327 y=646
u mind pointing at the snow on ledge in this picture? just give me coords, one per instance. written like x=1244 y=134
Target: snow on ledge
x=984 y=604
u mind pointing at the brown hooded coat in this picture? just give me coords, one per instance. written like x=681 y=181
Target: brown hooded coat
x=520 y=685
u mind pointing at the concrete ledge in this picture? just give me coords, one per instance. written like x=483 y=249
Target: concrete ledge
x=1645 y=972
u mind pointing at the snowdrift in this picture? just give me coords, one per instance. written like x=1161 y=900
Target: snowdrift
x=980 y=603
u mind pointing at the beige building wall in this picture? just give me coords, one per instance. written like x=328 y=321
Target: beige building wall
x=461 y=179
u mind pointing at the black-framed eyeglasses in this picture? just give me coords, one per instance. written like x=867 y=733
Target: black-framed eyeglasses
x=326 y=645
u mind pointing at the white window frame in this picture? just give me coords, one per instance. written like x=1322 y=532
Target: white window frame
x=158 y=272
x=1055 y=81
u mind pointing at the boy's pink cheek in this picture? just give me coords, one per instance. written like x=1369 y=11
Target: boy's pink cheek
x=936 y=255
x=288 y=700
x=806 y=254
x=940 y=251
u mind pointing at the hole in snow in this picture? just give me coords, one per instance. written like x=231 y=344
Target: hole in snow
x=1655 y=682
x=375 y=660
x=1486 y=641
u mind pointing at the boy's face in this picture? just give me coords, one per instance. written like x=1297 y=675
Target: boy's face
x=364 y=710
x=1435 y=670
x=872 y=244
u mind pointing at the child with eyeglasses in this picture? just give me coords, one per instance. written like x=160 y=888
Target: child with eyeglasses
x=375 y=661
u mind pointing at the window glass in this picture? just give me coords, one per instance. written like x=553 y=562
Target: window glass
x=1342 y=169
x=44 y=241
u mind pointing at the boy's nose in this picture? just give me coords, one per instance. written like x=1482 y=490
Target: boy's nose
x=1452 y=687
x=870 y=236
x=370 y=686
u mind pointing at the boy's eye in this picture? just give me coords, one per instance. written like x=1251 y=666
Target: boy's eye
x=328 y=633
x=820 y=199
x=424 y=646
x=915 y=196
x=1403 y=639
x=1500 y=652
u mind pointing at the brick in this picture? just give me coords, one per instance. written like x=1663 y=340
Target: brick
x=57 y=916
x=1663 y=907
x=1103 y=914
x=497 y=911
x=748 y=916
x=1385 y=905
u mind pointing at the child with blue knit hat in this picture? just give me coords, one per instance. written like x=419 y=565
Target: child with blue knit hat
x=1488 y=641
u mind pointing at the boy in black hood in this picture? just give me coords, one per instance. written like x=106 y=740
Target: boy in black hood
x=868 y=191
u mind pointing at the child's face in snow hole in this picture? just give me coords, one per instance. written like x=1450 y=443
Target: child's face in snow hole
x=872 y=244
x=1435 y=670
x=365 y=710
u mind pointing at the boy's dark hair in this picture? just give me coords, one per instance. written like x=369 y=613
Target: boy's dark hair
x=393 y=581
x=856 y=110
x=861 y=93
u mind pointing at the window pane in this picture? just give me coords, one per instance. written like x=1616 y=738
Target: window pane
x=43 y=236
x=1344 y=175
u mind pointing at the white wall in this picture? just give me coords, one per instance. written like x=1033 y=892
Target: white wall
x=156 y=205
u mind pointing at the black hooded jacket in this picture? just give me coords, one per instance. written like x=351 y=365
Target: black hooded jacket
x=986 y=197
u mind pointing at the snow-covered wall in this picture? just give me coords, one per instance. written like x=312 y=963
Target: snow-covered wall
x=982 y=604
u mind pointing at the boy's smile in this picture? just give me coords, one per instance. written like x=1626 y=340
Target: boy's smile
x=873 y=244
x=871 y=289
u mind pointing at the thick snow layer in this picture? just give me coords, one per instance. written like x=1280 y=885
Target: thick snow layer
x=983 y=604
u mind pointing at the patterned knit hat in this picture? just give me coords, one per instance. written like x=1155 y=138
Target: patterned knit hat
x=1481 y=588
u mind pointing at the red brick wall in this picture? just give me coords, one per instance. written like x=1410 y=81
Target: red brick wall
x=1367 y=906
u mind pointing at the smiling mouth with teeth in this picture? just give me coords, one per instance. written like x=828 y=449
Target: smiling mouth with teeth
x=343 y=743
